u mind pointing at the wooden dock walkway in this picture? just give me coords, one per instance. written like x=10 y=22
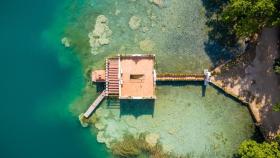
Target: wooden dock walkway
x=94 y=104
x=180 y=77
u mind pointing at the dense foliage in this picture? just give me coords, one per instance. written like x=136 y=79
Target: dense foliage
x=252 y=149
x=247 y=17
x=276 y=107
x=276 y=66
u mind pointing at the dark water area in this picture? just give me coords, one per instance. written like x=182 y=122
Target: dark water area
x=37 y=89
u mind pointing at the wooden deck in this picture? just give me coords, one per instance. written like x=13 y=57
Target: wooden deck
x=180 y=77
x=93 y=106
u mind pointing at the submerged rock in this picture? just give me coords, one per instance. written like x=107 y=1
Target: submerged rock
x=147 y=45
x=100 y=137
x=66 y=42
x=134 y=22
x=83 y=120
x=152 y=139
x=167 y=148
x=172 y=131
x=99 y=125
x=117 y=12
x=145 y=29
x=100 y=35
x=102 y=113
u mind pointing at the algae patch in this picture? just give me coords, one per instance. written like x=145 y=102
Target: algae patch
x=132 y=146
x=134 y=22
x=100 y=35
x=147 y=45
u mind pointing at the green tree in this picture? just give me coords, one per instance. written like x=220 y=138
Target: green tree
x=252 y=149
x=247 y=17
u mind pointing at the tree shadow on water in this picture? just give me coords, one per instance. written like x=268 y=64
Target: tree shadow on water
x=137 y=107
x=222 y=42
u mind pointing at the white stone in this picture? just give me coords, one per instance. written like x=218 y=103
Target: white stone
x=152 y=139
x=117 y=12
x=66 y=42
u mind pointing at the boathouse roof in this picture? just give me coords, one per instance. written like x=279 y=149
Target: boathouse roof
x=137 y=77
x=131 y=76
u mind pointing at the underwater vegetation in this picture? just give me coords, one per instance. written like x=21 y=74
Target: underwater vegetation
x=131 y=146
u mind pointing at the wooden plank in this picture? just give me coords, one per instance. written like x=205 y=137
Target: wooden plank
x=94 y=104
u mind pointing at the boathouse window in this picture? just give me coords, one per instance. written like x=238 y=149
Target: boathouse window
x=137 y=76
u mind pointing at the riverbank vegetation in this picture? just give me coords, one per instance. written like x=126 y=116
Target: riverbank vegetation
x=276 y=66
x=276 y=107
x=252 y=149
x=247 y=17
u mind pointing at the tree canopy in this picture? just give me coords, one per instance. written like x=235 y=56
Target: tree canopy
x=247 y=17
x=276 y=66
x=252 y=149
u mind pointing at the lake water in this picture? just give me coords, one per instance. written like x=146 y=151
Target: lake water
x=42 y=83
x=37 y=87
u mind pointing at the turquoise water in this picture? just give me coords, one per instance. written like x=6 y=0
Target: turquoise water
x=37 y=88
x=42 y=82
x=186 y=121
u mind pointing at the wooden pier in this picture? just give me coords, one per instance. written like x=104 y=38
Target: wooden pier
x=94 y=105
x=180 y=77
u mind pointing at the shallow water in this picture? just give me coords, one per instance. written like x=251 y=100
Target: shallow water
x=178 y=32
x=188 y=120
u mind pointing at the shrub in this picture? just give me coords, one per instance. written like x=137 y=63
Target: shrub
x=252 y=149
x=276 y=107
x=276 y=66
x=247 y=17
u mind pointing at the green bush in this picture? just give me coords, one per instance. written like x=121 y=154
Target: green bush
x=247 y=17
x=252 y=149
x=276 y=107
x=276 y=66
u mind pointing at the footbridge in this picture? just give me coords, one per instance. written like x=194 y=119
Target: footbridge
x=94 y=105
x=180 y=77
x=185 y=77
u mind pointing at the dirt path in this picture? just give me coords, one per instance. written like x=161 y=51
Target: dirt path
x=252 y=80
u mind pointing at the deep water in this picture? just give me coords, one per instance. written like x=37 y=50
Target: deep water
x=37 y=86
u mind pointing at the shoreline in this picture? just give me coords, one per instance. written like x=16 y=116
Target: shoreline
x=246 y=87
